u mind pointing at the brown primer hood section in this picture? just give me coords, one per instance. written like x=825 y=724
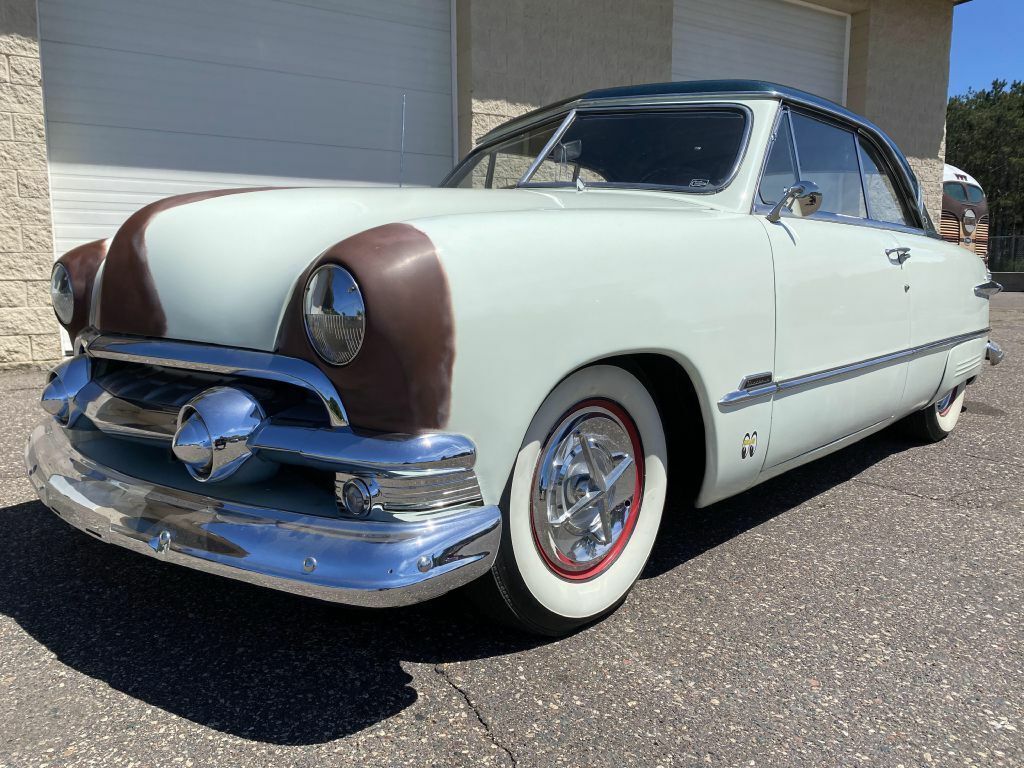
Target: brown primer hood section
x=82 y=263
x=129 y=302
x=401 y=379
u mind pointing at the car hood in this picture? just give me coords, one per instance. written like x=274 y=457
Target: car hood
x=219 y=267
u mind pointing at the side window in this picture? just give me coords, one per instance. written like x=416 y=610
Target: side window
x=883 y=199
x=780 y=170
x=828 y=157
x=955 y=190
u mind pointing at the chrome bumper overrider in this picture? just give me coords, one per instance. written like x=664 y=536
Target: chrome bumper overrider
x=994 y=353
x=359 y=562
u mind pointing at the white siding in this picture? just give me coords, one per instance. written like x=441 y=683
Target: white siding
x=147 y=98
x=784 y=42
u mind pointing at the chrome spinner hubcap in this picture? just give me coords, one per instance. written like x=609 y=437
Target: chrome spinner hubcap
x=587 y=489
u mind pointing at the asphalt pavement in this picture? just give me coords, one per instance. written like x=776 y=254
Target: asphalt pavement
x=863 y=610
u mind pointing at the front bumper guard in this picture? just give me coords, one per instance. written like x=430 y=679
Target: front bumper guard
x=994 y=353
x=357 y=562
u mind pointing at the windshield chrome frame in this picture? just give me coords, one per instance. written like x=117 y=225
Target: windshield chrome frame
x=573 y=112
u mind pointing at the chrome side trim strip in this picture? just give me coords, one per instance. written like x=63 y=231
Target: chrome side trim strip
x=234 y=362
x=987 y=290
x=743 y=395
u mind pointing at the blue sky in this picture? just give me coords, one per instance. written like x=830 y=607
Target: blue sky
x=988 y=43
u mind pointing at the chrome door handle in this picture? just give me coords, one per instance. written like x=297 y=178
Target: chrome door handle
x=900 y=254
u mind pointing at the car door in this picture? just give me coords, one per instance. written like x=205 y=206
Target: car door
x=840 y=296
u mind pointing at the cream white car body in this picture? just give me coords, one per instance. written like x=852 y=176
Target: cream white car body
x=845 y=337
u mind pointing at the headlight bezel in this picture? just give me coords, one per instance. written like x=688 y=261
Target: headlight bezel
x=333 y=287
x=62 y=293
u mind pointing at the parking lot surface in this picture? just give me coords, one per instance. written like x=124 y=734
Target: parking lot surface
x=863 y=610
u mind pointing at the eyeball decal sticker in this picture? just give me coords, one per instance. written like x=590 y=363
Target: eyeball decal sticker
x=749 y=445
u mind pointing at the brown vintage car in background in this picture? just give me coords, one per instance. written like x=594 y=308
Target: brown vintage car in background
x=964 y=212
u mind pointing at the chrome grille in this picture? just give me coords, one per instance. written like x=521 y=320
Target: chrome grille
x=140 y=401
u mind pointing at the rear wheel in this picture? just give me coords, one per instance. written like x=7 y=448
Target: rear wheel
x=938 y=420
x=584 y=503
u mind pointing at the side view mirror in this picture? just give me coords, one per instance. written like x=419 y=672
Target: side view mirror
x=805 y=194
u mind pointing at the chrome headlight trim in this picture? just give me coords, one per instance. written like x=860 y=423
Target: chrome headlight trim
x=62 y=294
x=334 y=314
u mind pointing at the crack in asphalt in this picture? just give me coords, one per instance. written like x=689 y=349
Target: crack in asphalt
x=898 y=490
x=440 y=670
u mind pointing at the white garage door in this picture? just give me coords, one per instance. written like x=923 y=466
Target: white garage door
x=786 y=42
x=148 y=98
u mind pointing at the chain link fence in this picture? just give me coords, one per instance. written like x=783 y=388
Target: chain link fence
x=1006 y=253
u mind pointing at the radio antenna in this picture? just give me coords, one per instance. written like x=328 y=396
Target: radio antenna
x=401 y=155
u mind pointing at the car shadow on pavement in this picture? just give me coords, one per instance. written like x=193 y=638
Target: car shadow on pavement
x=282 y=669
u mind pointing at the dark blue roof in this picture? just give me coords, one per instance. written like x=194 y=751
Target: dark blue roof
x=696 y=88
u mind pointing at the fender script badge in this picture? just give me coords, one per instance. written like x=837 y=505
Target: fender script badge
x=749 y=445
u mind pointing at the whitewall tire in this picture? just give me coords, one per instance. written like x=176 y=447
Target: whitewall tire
x=938 y=420
x=584 y=502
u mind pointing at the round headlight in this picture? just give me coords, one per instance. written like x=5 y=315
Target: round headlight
x=335 y=315
x=61 y=294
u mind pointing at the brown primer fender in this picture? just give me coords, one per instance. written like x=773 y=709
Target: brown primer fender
x=82 y=263
x=401 y=379
x=129 y=302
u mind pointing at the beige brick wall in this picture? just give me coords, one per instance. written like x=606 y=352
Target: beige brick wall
x=517 y=55
x=899 y=74
x=28 y=329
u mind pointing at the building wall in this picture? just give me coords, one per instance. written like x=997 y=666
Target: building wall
x=517 y=55
x=899 y=75
x=28 y=329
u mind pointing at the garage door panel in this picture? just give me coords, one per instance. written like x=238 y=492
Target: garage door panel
x=100 y=87
x=786 y=42
x=213 y=156
x=150 y=98
x=263 y=34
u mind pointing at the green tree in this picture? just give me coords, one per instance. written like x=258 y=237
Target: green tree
x=985 y=137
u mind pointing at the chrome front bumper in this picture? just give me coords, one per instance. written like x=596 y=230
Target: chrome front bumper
x=358 y=562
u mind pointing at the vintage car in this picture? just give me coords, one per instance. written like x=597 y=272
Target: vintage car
x=964 y=211
x=374 y=396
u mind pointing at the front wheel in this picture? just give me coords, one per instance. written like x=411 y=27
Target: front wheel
x=584 y=503
x=938 y=420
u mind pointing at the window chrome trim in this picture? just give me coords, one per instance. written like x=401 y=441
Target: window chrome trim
x=743 y=394
x=837 y=218
x=785 y=113
x=213 y=359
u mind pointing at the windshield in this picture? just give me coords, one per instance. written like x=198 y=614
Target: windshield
x=689 y=150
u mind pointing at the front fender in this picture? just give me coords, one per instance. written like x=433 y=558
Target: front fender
x=537 y=295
